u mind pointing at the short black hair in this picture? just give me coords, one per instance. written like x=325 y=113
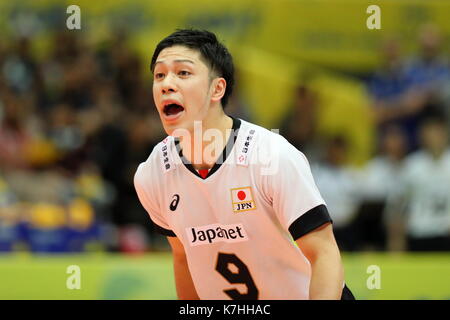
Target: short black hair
x=214 y=53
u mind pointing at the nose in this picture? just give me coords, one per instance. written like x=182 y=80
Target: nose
x=168 y=85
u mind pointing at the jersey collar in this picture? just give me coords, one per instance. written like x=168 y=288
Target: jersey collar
x=223 y=156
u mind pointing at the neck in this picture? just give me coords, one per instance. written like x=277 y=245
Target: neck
x=208 y=139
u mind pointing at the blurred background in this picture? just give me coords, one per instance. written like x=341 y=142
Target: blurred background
x=369 y=108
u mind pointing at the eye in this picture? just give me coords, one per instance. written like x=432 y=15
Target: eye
x=159 y=75
x=184 y=73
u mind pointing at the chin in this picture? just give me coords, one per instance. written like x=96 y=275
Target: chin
x=176 y=129
x=170 y=129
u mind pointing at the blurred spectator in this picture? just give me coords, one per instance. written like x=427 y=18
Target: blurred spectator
x=83 y=227
x=339 y=187
x=106 y=147
x=45 y=228
x=63 y=216
x=429 y=72
x=237 y=106
x=379 y=178
x=394 y=103
x=144 y=133
x=74 y=125
x=405 y=92
x=420 y=210
x=14 y=136
x=21 y=72
x=63 y=130
x=79 y=81
x=10 y=228
x=133 y=239
x=299 y=125
x=117 y=61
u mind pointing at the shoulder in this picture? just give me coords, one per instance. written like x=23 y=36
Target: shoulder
x=272 y=149
x=151 y=169
x=268 y=138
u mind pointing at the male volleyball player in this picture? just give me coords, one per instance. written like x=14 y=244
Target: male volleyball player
x=228 y=194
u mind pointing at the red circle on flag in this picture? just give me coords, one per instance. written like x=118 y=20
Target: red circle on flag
x=241 y=195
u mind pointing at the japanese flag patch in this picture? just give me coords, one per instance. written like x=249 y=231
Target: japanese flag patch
x=242 y=199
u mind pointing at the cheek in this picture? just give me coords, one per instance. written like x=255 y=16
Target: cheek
x=198 y=91
x=155 y=91
x=157 y=96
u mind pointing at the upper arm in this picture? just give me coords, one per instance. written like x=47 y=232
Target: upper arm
x=177 y=246
x=295 y=197
x=144 y=183
x=317 y=242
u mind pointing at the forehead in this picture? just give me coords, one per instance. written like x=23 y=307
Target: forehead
x=179 y=53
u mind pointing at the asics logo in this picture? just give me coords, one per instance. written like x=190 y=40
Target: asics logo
x=174 y=204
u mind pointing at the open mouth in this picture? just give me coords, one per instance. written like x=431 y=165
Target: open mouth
x=172 y=109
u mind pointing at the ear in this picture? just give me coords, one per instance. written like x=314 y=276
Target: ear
x=218 y=87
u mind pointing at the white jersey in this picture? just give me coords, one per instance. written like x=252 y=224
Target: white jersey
x=236 y=224
x=426 y=187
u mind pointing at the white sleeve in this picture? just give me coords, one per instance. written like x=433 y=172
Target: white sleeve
x=295 y=198
x=143 y=184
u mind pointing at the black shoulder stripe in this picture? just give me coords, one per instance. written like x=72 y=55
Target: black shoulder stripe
x=309 y=221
